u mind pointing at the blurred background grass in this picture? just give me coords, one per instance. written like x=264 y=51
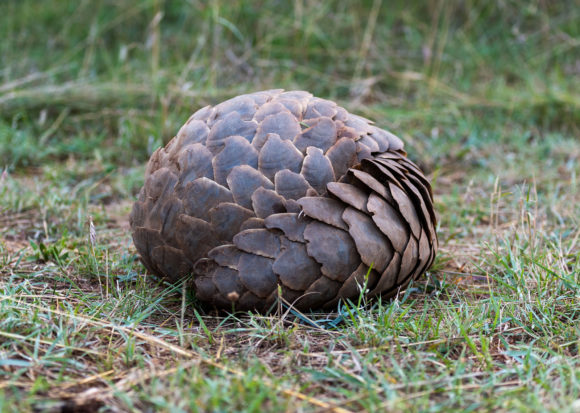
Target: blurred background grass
x=111 y=80
x=485 y=94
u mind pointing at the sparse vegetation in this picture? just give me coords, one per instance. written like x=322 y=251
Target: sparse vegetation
x=486 y=97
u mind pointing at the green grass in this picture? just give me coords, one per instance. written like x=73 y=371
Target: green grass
x=485 y=95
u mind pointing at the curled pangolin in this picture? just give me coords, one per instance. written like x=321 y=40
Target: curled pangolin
x=282 y=192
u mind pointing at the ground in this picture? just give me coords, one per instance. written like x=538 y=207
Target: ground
x=485 y=97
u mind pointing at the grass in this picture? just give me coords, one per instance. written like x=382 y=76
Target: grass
x=484 y=94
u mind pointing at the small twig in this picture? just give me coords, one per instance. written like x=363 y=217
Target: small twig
x=47 y=342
